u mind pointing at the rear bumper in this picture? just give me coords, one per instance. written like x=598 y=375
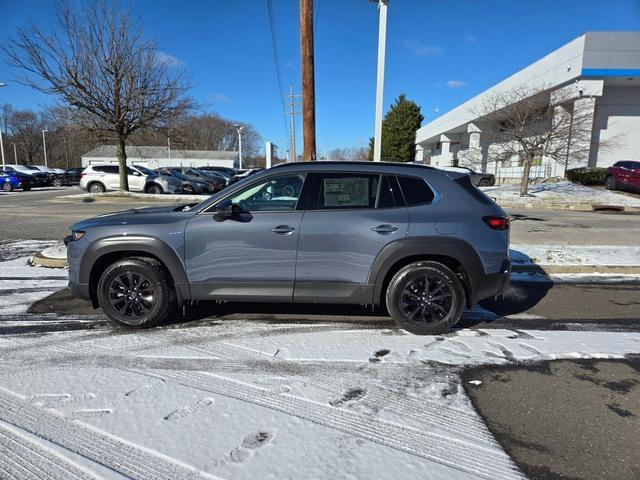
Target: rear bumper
x=491 y=284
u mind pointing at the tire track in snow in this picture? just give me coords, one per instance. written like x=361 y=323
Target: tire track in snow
x=26 y=459
x=488 y=463
x=452 y=420
x=126 y=458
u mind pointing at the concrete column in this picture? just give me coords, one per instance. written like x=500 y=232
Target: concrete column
x=580 y=144
x=446 y=158
x=419 y=153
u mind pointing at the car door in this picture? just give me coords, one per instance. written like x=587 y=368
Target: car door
x=349 y=219
x=244 y=246
x=136 y=180
x=634 y=175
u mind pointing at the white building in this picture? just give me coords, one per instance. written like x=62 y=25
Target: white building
x=599 y=72
x=156 y=157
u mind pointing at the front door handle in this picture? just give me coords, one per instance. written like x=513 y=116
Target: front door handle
x=283 y=229
x=385 y=229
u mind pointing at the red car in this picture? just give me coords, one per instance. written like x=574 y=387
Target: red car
x=623 y=175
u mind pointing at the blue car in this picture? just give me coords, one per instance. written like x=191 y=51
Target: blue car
x=11 y=180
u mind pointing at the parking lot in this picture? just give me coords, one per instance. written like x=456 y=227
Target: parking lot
x=306 y=381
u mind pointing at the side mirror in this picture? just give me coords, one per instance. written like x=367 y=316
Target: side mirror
x=227 y=211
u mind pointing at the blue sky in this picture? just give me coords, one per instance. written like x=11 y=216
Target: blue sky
x=439 y=53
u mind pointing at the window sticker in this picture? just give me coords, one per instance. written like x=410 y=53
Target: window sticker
x=346 y=192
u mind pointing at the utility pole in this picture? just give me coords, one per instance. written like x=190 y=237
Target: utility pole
x=2 y=84
x=15 y=153
x=44 y=145
x=308 y=81
x=169 y=148
x=382 y=41
x=292 y=112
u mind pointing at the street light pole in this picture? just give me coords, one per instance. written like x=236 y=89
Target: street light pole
x=2 y=84
x=15 y=153
x=239 y=128
x=44 y=144
x=382 y=41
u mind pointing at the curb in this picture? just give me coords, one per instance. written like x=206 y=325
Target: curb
x=560 y=269
x=578 y=207
x=110 y=197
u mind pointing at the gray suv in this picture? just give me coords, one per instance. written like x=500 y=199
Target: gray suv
x=422 y=242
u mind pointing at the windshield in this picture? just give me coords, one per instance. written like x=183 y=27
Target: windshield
x=145 y=170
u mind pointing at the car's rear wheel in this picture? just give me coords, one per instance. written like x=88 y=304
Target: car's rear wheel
x=136 y=292
x=610 y=183
x=96 y=188
x=425 y=298
x=188 y=189
x=154 y=189
x=7 y=187
x=485 y=182
x=57 y=182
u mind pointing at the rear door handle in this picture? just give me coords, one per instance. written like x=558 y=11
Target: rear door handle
x=385 y=229
x=283 y=229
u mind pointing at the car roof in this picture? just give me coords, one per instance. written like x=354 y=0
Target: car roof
x=356 y=165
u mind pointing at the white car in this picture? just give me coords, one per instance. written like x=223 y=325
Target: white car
x=102 y=178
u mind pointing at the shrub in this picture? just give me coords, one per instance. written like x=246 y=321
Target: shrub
x=587 y=176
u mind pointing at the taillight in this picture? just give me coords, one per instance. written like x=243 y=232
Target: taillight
x=497 y=223
x=83 y=175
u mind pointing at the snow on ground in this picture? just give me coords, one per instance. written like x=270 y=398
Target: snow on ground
x=565 y=254
x=565 y=193
x=252 y=399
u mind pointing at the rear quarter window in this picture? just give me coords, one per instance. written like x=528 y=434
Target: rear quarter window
x=416 y=191
x=467 y=186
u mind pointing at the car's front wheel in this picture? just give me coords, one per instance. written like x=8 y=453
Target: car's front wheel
x=7 y=187
x=485 y=182
x=425 y=298
x=154 y=189
x=57 y=182
x=136 y=292
x=610 y=183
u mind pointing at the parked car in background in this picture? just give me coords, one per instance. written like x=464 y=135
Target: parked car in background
x=623 y=175
x=478 y=179
x=9 y=181
x=55 y=175
x=227 y=171
x=72 y=176
x=422 y=242
x=38 y=178
x=102 y=178
x=242 y=174
x=190 y=184
x=216 y=180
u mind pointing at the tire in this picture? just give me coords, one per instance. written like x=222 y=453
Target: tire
x=96 y=187
x=125 y=303
x=7 y=187
x=26 y=188
x=57 y=182
x=188 y=190
x=154 y=189
x=430 y=316
x=485 y=183
x=610 y=183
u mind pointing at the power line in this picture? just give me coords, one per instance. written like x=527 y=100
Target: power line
x=276 y=60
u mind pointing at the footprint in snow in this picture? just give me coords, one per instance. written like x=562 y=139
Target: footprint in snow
x=247 y=448
x=351 y=395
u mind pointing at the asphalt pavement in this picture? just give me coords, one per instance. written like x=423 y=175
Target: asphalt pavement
x=36 y=215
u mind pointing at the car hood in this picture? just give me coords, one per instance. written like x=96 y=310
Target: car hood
x=133 y=216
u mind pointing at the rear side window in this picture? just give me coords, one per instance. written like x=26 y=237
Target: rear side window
x=106 y=169
x=416 y=191
x=347 y=191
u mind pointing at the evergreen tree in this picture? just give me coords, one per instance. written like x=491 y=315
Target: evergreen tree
x=399 y=131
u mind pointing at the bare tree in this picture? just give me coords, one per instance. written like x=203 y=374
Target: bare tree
x=349 y=154
x=98 y=63
x=533 y=124
x=25 y=129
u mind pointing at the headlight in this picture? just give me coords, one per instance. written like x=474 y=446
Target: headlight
x=77 y=235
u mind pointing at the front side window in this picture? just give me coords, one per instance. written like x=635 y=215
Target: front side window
x=272 y=195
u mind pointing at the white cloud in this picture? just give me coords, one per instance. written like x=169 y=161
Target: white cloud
x=456 y=84
x=220 y=98
x=422 y=50
x=471 y=38
x=166 y=59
